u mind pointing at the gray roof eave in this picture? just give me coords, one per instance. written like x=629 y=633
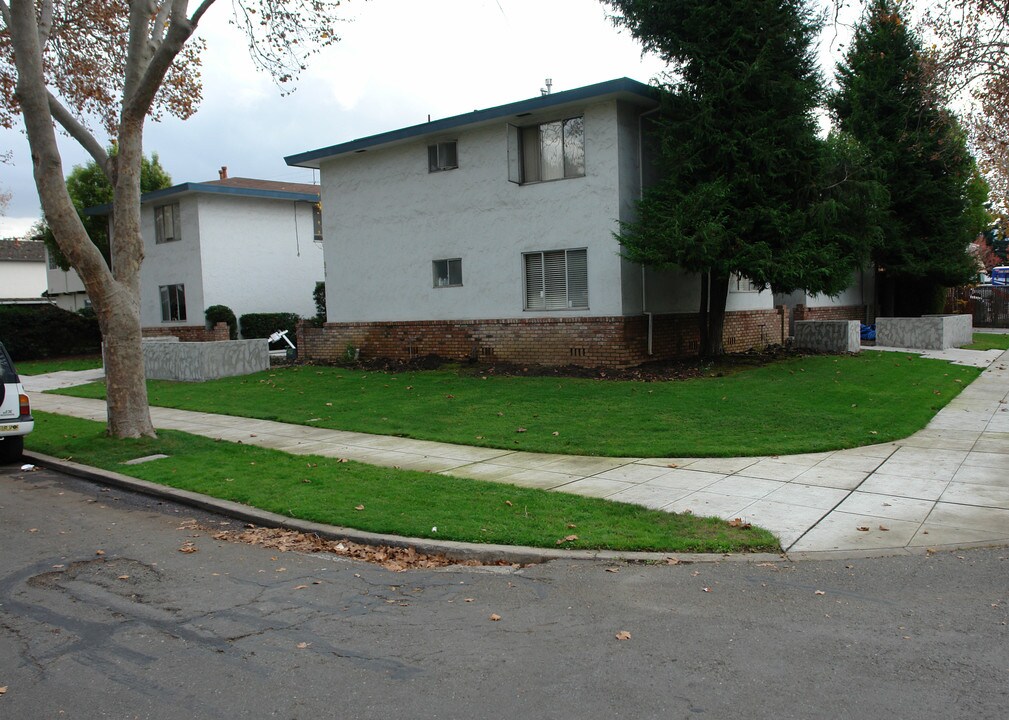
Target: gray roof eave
x=621 y=88
x=192 y=188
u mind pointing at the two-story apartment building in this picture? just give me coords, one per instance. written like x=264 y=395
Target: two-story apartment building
x=490 y=235
x=253 y=245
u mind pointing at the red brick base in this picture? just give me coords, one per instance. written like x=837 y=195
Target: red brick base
x=190 y=333
x=839 y=312
x=593 y=341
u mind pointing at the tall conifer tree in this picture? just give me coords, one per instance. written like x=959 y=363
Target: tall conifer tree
x=933 y=210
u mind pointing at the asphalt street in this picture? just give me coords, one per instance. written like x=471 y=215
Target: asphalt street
x=102 y=616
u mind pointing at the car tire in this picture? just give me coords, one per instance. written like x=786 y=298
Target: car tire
x=11 y=448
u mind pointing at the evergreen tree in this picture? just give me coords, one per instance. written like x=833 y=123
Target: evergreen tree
x=935 y=204
x=747 y=187
x=89 y=187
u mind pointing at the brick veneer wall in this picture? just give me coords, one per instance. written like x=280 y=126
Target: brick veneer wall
x=190 y=333
x=594 y=341
x=839 y=312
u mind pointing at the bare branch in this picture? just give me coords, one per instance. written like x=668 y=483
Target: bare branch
x=78 y=132
x=45 y=22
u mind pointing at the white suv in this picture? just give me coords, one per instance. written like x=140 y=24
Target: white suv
x=15 y=412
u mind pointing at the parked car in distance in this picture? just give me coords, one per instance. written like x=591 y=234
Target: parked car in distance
x=16 y=419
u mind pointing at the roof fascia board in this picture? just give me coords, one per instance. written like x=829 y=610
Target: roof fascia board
x=621 y=88
x=204 y=188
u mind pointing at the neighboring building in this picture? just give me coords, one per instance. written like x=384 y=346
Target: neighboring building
x=253 y=245
x=66 y=289
x=490 y=235
x=22 y=271
x=856 y=302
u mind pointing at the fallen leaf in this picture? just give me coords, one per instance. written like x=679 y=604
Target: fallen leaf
x=300 y=587
x=555 y=434
x=469 y=599
x=819 y=592
x=302 y=645
x=572 y=525
x=707 y=589
x=672 y=465
x=3 y=690
x=359 y=507
x=623 y=635
x=495 y=617
x=508 y=503
x=520 y=430
x=343 y=460
x=613 y=570
x=188 y=547
x=568 y=538
x=673 y=561
x=884 y=528
x=862 y=528
x=99 y=552
x=123 y=577
x=738 y=523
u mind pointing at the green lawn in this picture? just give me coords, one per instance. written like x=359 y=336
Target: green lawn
x=399 y=502
x=38 y=367
x=798 y=405
x=989 y=341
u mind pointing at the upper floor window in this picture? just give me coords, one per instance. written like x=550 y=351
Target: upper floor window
x=549 y=151
x=167 y=227
x=53 y=265
x=448 y=273
x=442 y=156
x=556 y=280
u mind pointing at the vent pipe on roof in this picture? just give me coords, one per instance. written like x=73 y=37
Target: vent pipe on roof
x=546 y=91
x=223 y=172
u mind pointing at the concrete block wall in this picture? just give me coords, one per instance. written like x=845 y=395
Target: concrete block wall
x=932 y=332
x=199 y=361
x=834 y=336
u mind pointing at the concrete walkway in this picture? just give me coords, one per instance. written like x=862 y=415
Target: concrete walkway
x=945 y=485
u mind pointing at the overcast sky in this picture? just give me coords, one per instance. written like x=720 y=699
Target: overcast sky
x=397 y=62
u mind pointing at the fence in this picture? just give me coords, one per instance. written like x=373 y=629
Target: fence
x=989 y=305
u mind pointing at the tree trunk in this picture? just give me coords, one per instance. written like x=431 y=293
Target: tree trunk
x=714 y=290
x=116 y=299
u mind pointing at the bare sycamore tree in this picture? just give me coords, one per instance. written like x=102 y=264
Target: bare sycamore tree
x=115 y=63
x=969 y=64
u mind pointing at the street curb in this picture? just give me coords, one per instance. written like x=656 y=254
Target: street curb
x=460 y=551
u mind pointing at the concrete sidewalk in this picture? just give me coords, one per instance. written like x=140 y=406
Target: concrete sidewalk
x=945 y=485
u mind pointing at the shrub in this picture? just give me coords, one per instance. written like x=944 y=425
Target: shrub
x=222 y=313
x=261 y=325
x=35 y=332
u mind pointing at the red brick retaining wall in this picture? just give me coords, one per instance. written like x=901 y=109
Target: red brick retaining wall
x=190 y=333
x=839 y=312
x=589 y=341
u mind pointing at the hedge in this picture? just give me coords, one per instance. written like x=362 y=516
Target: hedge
x=222 y=313
x=35 y=332
x=263 y=325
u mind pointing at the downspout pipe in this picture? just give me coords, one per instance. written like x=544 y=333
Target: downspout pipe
x=641 y=194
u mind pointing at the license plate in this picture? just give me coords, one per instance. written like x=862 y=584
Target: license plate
x=6 y=428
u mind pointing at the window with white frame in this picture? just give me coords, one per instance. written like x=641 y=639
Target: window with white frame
x=556 y=280
x=738 y=283
x=442 y=156
x=448 y=273
x=173 y=303
x=548 y=151
x=167 y=227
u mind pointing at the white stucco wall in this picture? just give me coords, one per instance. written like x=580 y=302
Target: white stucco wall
x=386 y=218
x=20 y=280
x=672 y=291
x=258 y=255
x=171 y=263
x=860 y=291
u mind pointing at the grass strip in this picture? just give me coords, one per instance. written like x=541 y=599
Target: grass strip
x=40 y=367
x=804 y=404
x=398 y=502
x=989 y=341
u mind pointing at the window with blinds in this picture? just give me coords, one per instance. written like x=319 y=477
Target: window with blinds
x=167 y=227
x=556 y=280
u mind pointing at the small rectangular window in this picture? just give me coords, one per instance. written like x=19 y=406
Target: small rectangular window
x=556 y=280
x=317 y=221
x=173 y=303
x=167 y=227
x=448 y=273
x=442 y=156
